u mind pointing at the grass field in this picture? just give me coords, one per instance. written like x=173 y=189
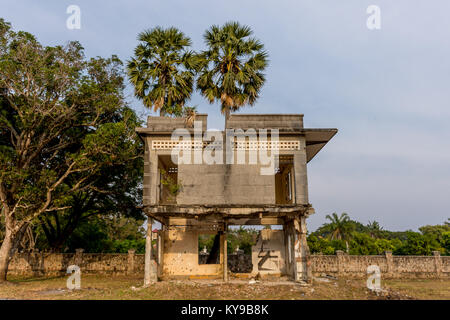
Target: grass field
x=104 y=287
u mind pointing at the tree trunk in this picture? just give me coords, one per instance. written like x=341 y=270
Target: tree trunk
x=9 y=246
x=5 y=252
x=227 y=115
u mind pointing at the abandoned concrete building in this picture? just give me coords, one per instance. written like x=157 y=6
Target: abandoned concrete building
x=197 y=197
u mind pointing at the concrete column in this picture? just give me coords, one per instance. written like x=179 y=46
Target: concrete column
x=437 y=263
x=150 y=267
x=300 y=174
x=297 y=250
x=154 y=188
x=79 y=257
x=159 y=252
x=340 y=262
x=389 y=263
x=225 y=258
x=303 y=258
x=130 y=264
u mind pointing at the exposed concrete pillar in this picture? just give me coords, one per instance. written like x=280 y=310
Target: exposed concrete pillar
x=437 y=263
x=300 y=174
x=150 y=266
x=340 y=262
x=389 y=263
x=159 y=252
x=297 y=251
x=130 y=264
x=79 y=257
x=225 y=257
x=302 y=251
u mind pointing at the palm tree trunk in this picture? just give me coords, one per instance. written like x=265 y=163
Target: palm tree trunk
x=227 y=115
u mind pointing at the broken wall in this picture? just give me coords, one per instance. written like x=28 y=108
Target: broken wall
x=269 y=253
x=180 y=254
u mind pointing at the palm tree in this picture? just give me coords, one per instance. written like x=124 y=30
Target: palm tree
x=231 y=68
x=162 y=70
x=189 y=114
x=374 y=229
x=341 y=227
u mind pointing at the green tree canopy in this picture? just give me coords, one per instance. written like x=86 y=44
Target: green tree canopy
x=162 y=70
x=232 y=67
x=63 y=120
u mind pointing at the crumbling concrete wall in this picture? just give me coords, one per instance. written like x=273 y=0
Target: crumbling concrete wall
x=269 y=253
x=340 y=265
x=225 y=184
x=181 y=254
x=298 y=256
x=40 y=263
x=237 y=262
x=401 y=267
x=219 y=184
x=278 y=121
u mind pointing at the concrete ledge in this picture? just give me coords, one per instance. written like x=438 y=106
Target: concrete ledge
x=224 y=210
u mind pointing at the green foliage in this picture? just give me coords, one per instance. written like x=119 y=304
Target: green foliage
x=69 y=150
x=339 y=227
x=318 y=244
x=173 y=186
x=371 y=239
x=446 y=242
x=108 y=235
x=419 y=244
x=362 y=244
x=205 y=241
x=244 y=238
x=162 y=70
x=436 y=232
x=122 y=246
x=231 y=69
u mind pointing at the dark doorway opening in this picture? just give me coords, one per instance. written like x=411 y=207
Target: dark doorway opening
x=284 y=180
x=168 y=180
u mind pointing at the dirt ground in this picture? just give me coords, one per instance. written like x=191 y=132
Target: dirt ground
x=106 y=287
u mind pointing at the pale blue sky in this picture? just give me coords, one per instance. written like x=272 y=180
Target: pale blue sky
x=387 y=91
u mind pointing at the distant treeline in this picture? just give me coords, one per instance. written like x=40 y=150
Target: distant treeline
x=353 y=237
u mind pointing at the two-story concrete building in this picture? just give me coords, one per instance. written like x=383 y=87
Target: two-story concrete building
x=200 y=182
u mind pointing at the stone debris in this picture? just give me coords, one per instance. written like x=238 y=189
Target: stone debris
x=136 y=289
x=322 y=280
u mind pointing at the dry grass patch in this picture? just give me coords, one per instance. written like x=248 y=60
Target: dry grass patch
x=118 y=288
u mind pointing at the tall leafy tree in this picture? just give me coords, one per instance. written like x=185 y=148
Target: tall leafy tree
x=63 y=119
x=374 y=229
x=114 y=192
x=232 y=67
x=341 y=227
x=162 y=70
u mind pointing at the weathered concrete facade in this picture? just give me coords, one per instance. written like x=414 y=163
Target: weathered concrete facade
x=253 y=173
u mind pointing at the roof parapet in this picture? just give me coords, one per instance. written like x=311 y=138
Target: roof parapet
x=169 y=124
